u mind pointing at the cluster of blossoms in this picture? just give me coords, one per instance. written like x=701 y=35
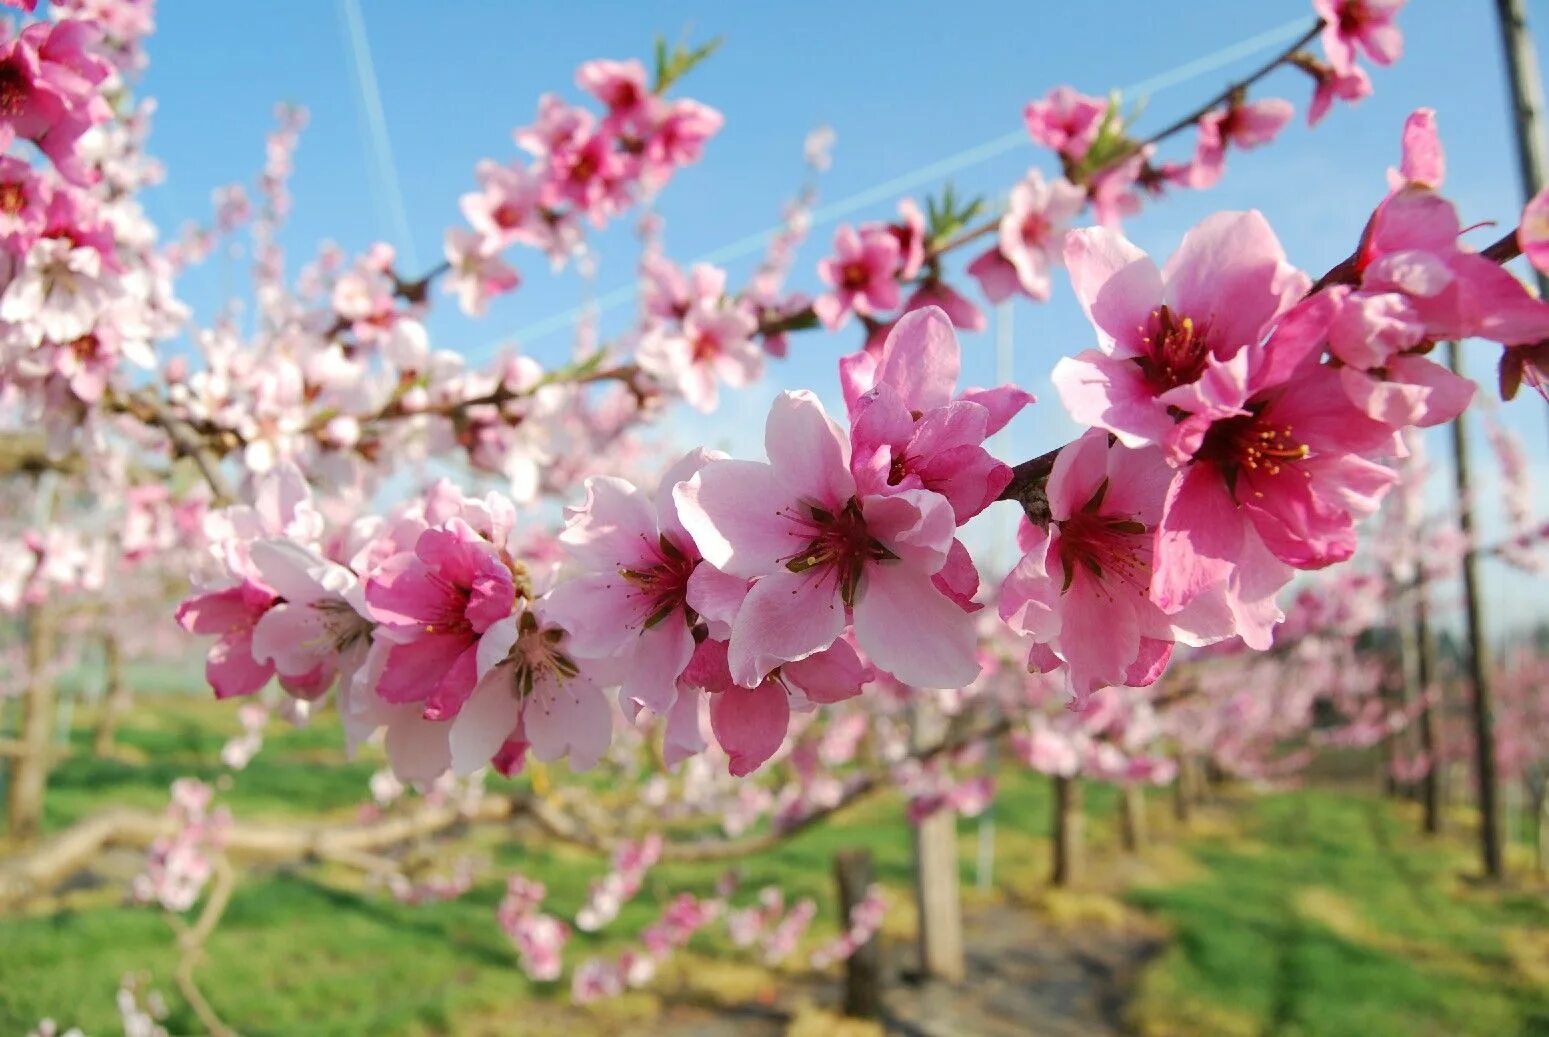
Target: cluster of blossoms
x=434 y=889
x=539 y=938
x=615 y=889
x=683 y=916
x=864 y=921
x=583 y=167
x=1239 y=419
x=180 y=864
x=139 y=1012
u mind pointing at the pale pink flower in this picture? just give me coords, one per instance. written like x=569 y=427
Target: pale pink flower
x=1032 y=238
x=627 y=599
x=476 y=275
x=1354 y=85
x=231 y=615
x=714 y=344
x=817 y=549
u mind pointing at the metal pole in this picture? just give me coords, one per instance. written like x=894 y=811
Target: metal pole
x=1527 y=102
x=1490 y=850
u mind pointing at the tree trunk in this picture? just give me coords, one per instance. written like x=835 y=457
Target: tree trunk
x=1491 y=855
x=936 y=878
x=1068 y=824
x=115 y=703
x=1133 y=828
x=863 y=969
x=30 y=764
x=1433 y=785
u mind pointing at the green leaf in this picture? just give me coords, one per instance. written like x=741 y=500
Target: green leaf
x=672 y=65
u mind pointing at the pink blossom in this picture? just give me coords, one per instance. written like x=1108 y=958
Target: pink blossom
x=910 y=433
x=1279 y=477
x=817 y=549
x=861 y=274
x=1065 y=121
x=713 y=344
x=476 y=275
x=49 y=75
x=508 y=208
x=620 y=85
x=433 y=606
x=1354 y=85
x=628 y=597
x=937 y=294
x=1364 y=24
x=1246 y=125
x=678 y=138
x=1217 y=294
x=1032 y=238
x=1081 y=587
x=319 y=629
x=230 y=614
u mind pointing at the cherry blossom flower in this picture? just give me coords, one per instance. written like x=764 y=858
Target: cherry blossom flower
x=861 y=274
x=628 y=598
x=1066 y=121
x=1242 y=125
x=1349 y=25
x=817 y=550
x=1031 y=238
x=1081 y=588
x=1218 y=293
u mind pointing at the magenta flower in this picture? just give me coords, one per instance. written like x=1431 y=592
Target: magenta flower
x=861 y=274
x=621 y=86
x=231 y=615
x=433 y=607
x=49 y=76
x=1160 y=330
x=1279 y=478
x=1065 y=121
x=818 y=549
x=1081 y=588
x=908 y=432
x=1364 y=24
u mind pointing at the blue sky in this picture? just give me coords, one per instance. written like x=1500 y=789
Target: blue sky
x=903 y=85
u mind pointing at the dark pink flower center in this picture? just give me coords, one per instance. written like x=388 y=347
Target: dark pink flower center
x=854 y=275
x=839 y=544
x=1176 y=349
x=1035 y=229
x=13 y=197
x=1251 y=442
x=14 y=90
x=663 y=587
x=1116 y=546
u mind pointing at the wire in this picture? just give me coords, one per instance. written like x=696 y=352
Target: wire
x=376 y=128
x=928 y=173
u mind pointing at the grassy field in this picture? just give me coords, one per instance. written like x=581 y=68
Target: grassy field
x=1306 y=913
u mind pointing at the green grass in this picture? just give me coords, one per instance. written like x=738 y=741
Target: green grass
x=1326 y=915
x=1298 y=915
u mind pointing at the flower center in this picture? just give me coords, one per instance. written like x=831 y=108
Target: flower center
x=13 y=197
x=1251 y=442
x=1176 y=349
x=664 y=586
x=840 y=545
x=536 y=655
x=854 y=276
x=14 y=90
x=1105 y=545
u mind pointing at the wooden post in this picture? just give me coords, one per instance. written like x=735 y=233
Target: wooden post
x=1133 y=827
x=1182 y=808
x=1491 y=856
x=863 y=969
x=936 y=879
x=116 y=702
x=30 y=764
x=1068 y=825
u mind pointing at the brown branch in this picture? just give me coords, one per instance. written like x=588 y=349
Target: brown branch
x=191 y=941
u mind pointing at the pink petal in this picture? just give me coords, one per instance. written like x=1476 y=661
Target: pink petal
x=907 y=628
x=787 y=616
x=750 y=724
